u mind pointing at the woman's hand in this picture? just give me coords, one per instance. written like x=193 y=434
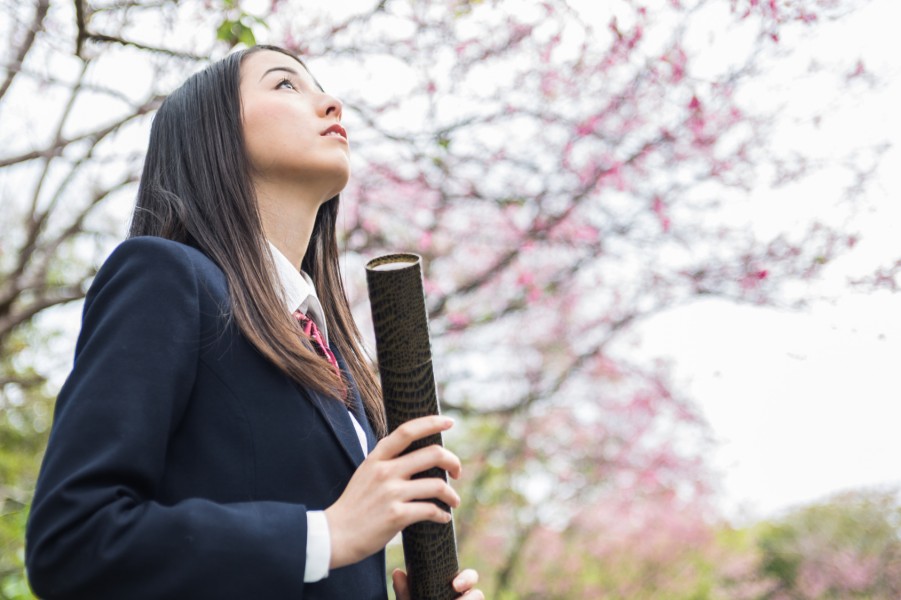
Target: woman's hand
x=380 y=498
x=463 y=583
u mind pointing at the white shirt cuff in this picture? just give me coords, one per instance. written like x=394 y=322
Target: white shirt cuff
x=319 y=547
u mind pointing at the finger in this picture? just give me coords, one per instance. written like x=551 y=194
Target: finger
x=414 y=429
x=430 y=487
x=426 y=458
x=465 y=580
x=401 y=590
x=414 y=512
x=473 y=595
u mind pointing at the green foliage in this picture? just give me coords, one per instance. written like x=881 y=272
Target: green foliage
x=846 y=547
x=782 y=558
x=464 y=7
x=237 y=25
x=25 y=409
x=13 y=583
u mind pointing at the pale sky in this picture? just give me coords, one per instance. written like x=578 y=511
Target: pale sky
x=806 y=404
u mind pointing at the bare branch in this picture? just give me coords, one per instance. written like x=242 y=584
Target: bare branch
x=517 y=546
x=37 y=281
x=111 y=39
x=49 y=298
x=80 y=22
x=76 y=226
x=133 y=4
x=41 y=8
x=35 y=218
x=56 y=148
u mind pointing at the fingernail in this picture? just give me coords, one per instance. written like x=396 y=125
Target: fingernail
x=459 y=583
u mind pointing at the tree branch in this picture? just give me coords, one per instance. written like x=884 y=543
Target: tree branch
x=517 y=546
x=111 y=39
x=56 y=148
x=61 y=295
x=80 y=22
x=537 y=230
x=41 y=8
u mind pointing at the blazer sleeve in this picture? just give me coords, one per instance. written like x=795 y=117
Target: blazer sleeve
x=95 y=530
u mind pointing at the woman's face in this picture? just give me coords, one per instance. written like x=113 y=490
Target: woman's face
x=289 y=125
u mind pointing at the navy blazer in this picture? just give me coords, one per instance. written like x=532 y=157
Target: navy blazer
x=181 y=463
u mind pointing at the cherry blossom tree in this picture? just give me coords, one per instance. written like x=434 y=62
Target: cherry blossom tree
x=565 y=169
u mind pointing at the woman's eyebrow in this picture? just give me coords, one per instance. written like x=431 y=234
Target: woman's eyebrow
x=293 y=72
x=286 y=69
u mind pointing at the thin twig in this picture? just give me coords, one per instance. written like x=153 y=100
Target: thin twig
x=37 y=24
x=57 y=148
x=111 y=39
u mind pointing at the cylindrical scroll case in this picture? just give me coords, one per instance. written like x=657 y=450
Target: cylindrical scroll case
x=408 y=388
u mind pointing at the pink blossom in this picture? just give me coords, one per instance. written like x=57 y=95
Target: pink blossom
x=752 y=279
x=676 y=59
x=587 y=127
x=549 y=48
x=659 y=209
x=548 y=85
x=614 y=174
x=585 y=233
x=458 y=320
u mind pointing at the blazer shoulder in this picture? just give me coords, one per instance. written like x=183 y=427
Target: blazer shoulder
x=159 y=261
x=153 y=249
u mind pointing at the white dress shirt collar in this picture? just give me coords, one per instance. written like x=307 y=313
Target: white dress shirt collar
x=298 y=290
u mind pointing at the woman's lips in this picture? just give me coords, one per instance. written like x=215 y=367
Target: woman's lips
x=335 y=130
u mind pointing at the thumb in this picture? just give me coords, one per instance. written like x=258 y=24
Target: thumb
x=399 y=579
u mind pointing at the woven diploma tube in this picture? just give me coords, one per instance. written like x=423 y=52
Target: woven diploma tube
x=408 y=388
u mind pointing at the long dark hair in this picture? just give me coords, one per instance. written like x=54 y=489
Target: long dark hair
x=196 y=189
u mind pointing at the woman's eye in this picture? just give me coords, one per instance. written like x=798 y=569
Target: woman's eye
x=285 y=83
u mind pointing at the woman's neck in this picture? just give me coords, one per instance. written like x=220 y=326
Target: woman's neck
x=288 y=215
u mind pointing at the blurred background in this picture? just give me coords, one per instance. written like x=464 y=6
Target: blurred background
x=660 y=261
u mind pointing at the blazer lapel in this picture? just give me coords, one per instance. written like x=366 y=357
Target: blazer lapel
x=336 y=416
x=357 y=404
x=360 y=414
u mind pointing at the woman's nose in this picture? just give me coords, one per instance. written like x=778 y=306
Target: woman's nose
x=333 y=107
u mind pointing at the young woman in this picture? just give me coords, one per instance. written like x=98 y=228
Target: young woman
x=221 y=434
